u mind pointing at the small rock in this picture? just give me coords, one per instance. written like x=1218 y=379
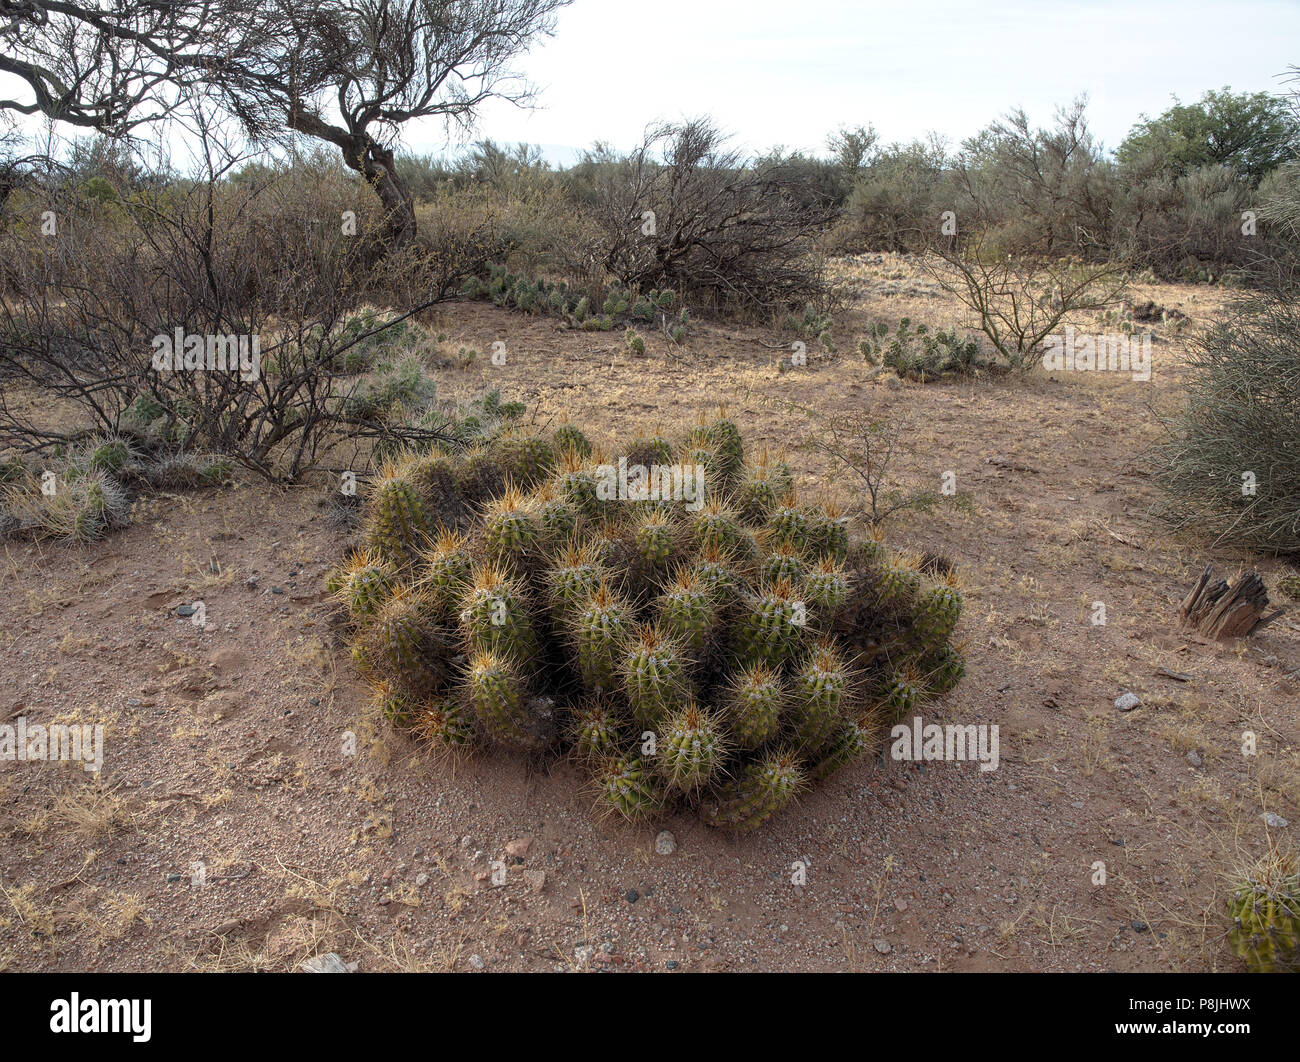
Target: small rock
x=1274 y=820
x=582 y=953
x=421 y=880
x=185 y=610
x=631 y=896
x=899 y=905
x=384 y=901
x=519 y=847
x=1126 y=702
x=328 y=963
x=671 y=964
x=1194 y=758
x=881 y=946
x=536 y=879
x=277 y=589
x=1139 y=926
x=665 y=843
x=172 y=877
x=476 y=961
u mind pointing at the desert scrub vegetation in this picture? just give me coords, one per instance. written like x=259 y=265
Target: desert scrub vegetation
x=163 y=305
x=82 y=492
x=720 y=645
x=733 y=234
x=1230 y=464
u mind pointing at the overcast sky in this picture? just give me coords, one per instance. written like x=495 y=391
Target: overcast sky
x=789 y=71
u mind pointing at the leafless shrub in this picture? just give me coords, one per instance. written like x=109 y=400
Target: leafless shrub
x=685 y=212
x=91 y=307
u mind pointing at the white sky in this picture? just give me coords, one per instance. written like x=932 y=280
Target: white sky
x=790 y=71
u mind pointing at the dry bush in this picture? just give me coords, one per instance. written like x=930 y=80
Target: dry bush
x=684 y=211
x=1231 y=464
x=267 y=257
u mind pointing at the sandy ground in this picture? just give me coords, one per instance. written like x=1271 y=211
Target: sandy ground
x=229 y=829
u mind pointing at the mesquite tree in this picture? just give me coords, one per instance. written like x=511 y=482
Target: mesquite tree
x=348 y=72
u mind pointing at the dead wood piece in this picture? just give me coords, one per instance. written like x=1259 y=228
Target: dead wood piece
x=1218 y=609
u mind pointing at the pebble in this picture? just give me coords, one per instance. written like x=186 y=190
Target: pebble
x=1139 y=926
x=328 y=963
x=1126 y=702
x=476 y=961
x=665 y=843
x=632 y=896
x=185 y=610
x=671 y=964
x=881 y=946
x=1274 y=820
x=1194 y=758
x=519 y=847
x=421 y=880
x=536 y=879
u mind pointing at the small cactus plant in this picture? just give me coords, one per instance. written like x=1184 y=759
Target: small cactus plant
x=399 y=524
x=1264 y=908
x=653 y=670
x=763 y=788
x=691 y=749
x=569 y=437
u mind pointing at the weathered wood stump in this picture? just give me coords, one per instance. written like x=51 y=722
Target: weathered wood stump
x=1220 y=610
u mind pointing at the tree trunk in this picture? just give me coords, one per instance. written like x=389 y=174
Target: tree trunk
x=399 y=205
x=374 y=162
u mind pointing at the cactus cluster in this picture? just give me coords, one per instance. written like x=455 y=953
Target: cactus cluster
x=1264 y=908
x=580 y=308
x=722 y=651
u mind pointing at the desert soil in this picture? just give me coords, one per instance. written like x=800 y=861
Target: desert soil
x=225 y=745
